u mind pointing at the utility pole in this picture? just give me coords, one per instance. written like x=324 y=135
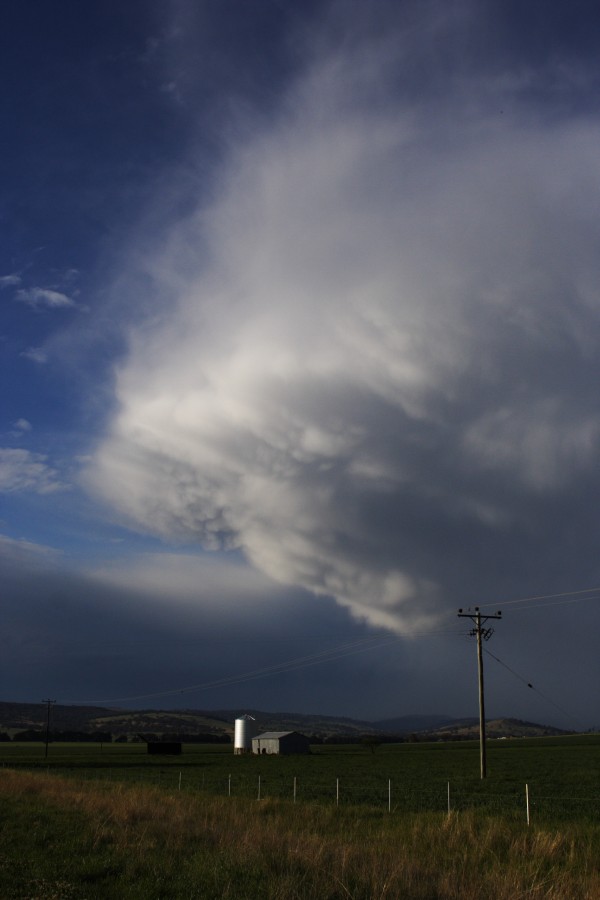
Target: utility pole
x=48 y=705
x=482 y=634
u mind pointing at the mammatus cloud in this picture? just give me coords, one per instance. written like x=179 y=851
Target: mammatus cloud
x=21 y=470
x=385 y=367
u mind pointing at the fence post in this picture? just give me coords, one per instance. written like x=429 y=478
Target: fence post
x=180 y=781
x=337 y=791
x=389 y=795
x=294 y=788
x=229 y=786
x=527 y=803
x=448 y=798
x=259 y=787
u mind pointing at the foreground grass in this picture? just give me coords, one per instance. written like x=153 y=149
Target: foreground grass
x=68 y=838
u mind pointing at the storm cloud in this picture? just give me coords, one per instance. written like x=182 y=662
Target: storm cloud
x=375 y=370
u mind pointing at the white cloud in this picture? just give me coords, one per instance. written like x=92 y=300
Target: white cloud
x=9 y=280
x=18 y=552
x=23 y=425
x=38 y=298
x=35 y=354
x=179 y=579
x=21 y=470
x=543 y=449
x=396 y=303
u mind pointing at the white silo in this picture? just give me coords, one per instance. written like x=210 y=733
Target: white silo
x=244 y=731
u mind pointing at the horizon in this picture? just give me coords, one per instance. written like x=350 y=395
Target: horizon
x=236 y=712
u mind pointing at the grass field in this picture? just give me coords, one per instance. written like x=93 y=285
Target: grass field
x=109 y=822
x=563 y=773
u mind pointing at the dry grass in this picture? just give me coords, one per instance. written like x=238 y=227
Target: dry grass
x=182 y=846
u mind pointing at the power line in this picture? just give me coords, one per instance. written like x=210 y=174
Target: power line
x=554 y=603
x=330 y=655
x=339 y=652
x=276 y=669
x=536 y=690
x=595 y=590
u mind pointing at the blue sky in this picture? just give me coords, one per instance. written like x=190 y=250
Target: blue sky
x=299 y=331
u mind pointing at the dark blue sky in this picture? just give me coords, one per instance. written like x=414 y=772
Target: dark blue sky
x=299 y=326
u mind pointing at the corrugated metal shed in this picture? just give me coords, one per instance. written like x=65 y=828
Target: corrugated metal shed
x=280 y=742
x=271 y=735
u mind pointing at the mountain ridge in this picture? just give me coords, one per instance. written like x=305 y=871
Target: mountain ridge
x=124 y=723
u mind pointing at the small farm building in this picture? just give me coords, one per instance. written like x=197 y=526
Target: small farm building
x=172 y=748
x=280 y=742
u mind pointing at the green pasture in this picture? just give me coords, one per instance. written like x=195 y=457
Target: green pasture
x=563 y=774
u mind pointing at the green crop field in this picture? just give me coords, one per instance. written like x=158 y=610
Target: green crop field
x=562 y=774
x=110 y=821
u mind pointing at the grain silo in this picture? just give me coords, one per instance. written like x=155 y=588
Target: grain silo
x=244 y=731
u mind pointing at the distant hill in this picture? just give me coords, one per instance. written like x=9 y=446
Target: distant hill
x=124 y=723
x=321 y=726
x=16 y=717
x=409 y=724
x=442 y=727
x=496 y=728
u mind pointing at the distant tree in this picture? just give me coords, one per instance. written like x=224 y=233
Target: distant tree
x=29 y=735
x=197 y=738
x=371 y=742
x=82 y=737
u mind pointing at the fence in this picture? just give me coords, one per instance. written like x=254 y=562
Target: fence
x=396 y=797
x=519 y=802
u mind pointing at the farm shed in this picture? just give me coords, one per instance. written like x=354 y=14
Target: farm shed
x=172 y=748
x=280 y=742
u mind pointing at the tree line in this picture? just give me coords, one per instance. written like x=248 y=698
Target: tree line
x=106 y=737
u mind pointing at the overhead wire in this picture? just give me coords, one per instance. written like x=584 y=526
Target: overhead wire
x=498 y=605
x=531 y=686
x=328 y=655
x=308 y=659
x=358 y=646
x=554 y=603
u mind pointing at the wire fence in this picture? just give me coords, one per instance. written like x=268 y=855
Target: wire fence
x=518 y=802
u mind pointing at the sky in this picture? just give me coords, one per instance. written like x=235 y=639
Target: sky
x=299 y=333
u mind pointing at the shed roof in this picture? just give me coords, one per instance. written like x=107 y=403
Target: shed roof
x=272 y=735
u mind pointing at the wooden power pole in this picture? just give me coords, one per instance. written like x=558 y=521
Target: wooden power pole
x=49 y=704
x=482 y=634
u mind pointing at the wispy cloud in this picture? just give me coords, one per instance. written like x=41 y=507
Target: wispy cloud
x=390 y=359
x=18 y=552
x=35 y=354
x=20 y=428
x=39 y=298
x=21 y=470
x=225 y=584
x=7 y=281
